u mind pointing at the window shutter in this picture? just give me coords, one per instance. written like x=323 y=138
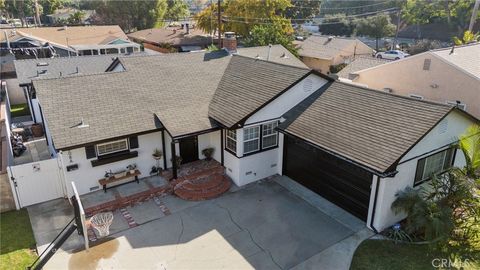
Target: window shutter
x=420 y=167
x=90 y=151
x=133 y=142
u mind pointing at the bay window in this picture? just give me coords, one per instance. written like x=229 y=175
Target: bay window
x=251 y=139
x=231 y=140
x=269 y=135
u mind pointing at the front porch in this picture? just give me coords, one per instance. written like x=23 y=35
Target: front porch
x=198 y=180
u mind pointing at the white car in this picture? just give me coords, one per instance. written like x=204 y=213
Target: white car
x=392 y=55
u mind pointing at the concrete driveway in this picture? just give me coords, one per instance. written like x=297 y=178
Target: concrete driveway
x=261 y=226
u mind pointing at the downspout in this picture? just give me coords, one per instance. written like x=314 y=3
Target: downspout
x=64 y=176
x=374 y=207
x=164 y=150
x=222 y=146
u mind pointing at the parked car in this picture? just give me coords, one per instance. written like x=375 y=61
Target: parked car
x=392 y=55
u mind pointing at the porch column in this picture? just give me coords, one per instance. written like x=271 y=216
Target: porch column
x=164 y=150
x=174 y=160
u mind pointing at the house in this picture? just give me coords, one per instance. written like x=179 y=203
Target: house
x=448 y=75
x=67 y=41
x=61 y=16
x=273 y=53
x=360 y=63
x=352 y=145
x=20 y=89
x=321 y=52
x=182 y=38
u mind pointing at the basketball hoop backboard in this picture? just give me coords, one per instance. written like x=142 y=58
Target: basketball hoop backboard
x=79 y=213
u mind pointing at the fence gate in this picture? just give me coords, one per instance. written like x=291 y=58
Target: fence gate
x=37 y=182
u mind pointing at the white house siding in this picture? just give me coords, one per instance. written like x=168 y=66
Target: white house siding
x=288 y=100
x=446 y=132
x=86 y=177
x=211 y=139
x=246 y=169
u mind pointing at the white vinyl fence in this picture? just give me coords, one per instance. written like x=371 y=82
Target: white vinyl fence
x=36 y=182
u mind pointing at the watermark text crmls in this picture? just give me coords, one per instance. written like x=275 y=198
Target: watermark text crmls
x=448 y=263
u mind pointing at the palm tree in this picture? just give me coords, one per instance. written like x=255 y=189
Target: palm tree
x=468 y=37
x=469 y=143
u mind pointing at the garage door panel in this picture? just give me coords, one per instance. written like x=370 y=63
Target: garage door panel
x=336 y=180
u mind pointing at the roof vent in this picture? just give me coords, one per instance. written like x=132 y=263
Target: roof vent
x=285 y=56
x=330 y=38
x=42 y=64
x=81 y=124
x=41 y=72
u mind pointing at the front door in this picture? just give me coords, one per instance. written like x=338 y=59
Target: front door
x=189 y=149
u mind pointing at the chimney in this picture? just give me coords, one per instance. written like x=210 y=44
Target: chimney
x=187 y=28
x=230 y=42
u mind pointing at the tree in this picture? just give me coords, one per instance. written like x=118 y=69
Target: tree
x=130 y=15
x=336 y=24
x=176 y=10
x=303 y=9
x=240 y=16
x=262 y=35
x=76 y=18
x=468 y=37
x=50 y=6
x=377 y=27
x=470 y=145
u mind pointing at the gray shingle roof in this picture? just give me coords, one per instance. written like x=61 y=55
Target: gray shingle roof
x=369 y=127
x=247 y=85
x=360 y=63
x=465 y=57
x=52 y=67
x=174 y=87
x=321 y=47
x=278 y=54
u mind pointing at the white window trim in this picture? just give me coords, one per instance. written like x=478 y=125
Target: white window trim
x=274 y=134
x=101 y=144
x=424 y=177
x=231 y=138
x=254 y=139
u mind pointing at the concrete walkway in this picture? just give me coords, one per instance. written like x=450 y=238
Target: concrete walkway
x=260 y=226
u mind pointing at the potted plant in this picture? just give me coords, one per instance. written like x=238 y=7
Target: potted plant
x=157 y=154
x=132 y=168
x=208 y=153
x=178 y=161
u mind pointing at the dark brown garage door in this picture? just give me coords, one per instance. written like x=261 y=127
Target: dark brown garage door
x=340 y=182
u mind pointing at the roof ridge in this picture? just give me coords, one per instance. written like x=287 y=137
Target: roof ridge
x=395 y=95
x=77 y=75
x=65 y=57
x=456 y=47
x=270 y=62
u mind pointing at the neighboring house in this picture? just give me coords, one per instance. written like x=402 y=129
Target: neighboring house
x=360 y=63
x=447 y=75
x=355 y=146
x=67 y=41
x=62 y=15
x=30 y=69
x=273 y=53
x=182 y=38
x=321 y=52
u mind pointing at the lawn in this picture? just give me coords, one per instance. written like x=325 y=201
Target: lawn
x=383 y=254
x=19 y=110
x=16 y=240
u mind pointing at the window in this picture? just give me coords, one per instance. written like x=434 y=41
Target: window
x=112 y=147
x=434 y=164
x=251 y=139
x=231 y=140
x=269 y=135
